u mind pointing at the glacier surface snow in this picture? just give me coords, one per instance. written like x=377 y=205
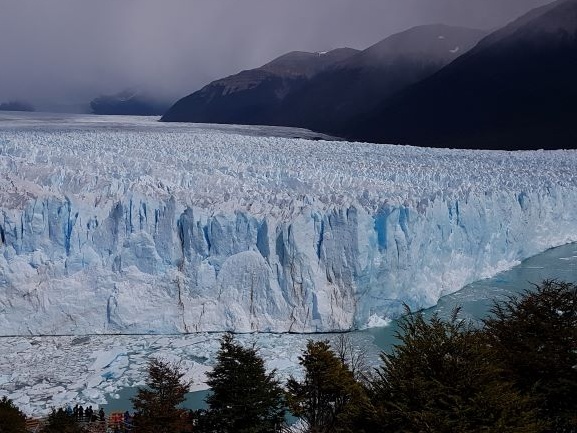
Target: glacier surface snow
x=123 y=225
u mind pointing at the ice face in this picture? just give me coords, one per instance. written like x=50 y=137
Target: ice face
x=129 y=226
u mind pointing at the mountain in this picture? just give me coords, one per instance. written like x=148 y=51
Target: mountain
x=515 y=90
x=250 y=96
x=129 y=102
x=16 y=106
x=358 y=84
x=321 y=92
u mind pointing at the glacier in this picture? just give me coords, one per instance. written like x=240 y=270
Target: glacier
x=127 y=225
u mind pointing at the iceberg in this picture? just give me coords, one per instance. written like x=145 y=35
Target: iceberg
x=125 y=225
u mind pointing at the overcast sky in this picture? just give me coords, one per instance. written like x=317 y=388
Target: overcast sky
x=72 y=50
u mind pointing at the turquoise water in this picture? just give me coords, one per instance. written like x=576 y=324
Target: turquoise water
x=194 y=400
x=475 y=301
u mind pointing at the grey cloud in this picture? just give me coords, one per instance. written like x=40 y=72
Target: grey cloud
x=54 y=51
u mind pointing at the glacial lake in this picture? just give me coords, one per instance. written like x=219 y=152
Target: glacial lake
x=475 y=300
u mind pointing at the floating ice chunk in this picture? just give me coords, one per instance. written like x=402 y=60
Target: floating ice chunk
x=65 y=375
x=376 y=321
x=105 y=358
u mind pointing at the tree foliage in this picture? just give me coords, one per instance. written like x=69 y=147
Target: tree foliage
x=534 y=339
x=12 y=420
x=355 y=358
x=441 y=378
x=244 y=397
x=157 y=405
x=329 y=399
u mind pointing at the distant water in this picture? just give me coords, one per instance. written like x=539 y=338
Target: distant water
x=475 y=301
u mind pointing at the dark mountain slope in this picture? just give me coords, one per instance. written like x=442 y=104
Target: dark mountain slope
x=128 y=102
x=359 y=83
x=251 y=96
x=515 y=90
x=16 y=106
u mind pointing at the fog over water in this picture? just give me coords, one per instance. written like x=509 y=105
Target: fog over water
x=58 y=52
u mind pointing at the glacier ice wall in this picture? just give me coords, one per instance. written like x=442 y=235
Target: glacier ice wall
x=139 y=228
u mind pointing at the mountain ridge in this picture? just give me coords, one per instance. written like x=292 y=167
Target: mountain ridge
x=359 y=83
x=336 y=86
x=514 y=90
x=251 y=95
x=129 y=102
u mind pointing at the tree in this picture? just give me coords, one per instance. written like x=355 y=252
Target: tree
x=442 y=378
x=61 y=422
x=156 y=405
x=244 y=397
x=12 y=420
x=534 y=337
x=355 y=358
x=329 y=399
